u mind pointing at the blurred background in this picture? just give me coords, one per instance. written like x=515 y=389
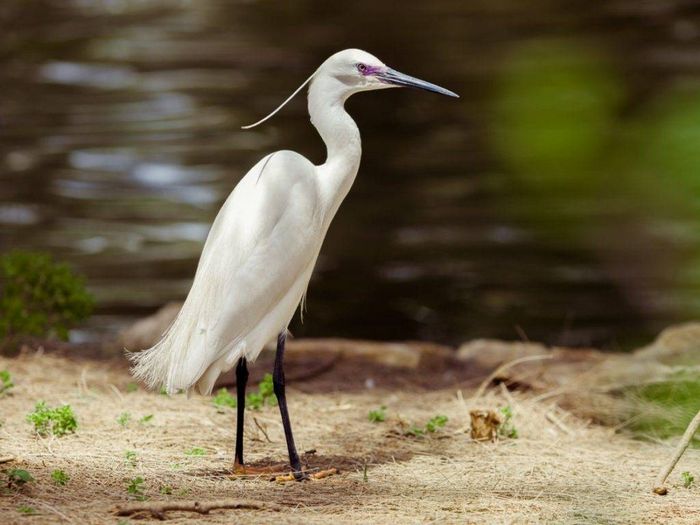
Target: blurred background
x=557 y=200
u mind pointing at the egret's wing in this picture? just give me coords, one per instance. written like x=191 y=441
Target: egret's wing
x=265 y=236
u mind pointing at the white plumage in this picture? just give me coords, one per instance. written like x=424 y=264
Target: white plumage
x=263 y=244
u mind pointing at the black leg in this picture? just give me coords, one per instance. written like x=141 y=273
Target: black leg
x=278 y=384
x=241 y=381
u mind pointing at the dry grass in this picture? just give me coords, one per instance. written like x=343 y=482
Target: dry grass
x=560 y=470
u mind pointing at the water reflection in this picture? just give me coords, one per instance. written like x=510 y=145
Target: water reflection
x=557 y=199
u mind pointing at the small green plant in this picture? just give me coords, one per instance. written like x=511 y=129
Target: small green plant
x=434 y=423
x=378 y=415
x=18 y=477
x=131 y=387
x=223 y=399
x=59 y=477
x=124 y=418
x=146 y=419
x=264 y=396
x=196 y=451
x=415 y=431
x=6 y=383
x=131 y=457
x=58 y=421
x=166 y=490
x=39 y=297
x=254 y=401
x=267 y=389
x=507 y=428
x=688 y=479
x=26 y=509
x=135 y=488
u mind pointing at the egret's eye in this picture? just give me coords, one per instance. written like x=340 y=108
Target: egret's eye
x=362 y=68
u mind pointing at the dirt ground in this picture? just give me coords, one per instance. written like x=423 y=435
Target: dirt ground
x=561 y=469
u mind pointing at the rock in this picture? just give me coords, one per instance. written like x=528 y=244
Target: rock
x=147 y=331
x=402 y=355
x=491 y=353
x=676 y=346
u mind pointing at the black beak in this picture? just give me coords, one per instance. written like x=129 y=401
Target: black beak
x=391 y=76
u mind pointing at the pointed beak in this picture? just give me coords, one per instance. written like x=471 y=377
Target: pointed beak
x=393 y=77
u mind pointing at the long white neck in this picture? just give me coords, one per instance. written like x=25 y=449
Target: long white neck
x=342 y=138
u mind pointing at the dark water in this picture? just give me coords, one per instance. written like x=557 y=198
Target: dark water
x=556 y=200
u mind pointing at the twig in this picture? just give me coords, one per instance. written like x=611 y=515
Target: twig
x=506 y=394
x=51 y=509
x=116 y=391
x=257 y=424
x=158 y=509
x=6 y=459
x=680 y=448
x=558 y=422
x=505 y=366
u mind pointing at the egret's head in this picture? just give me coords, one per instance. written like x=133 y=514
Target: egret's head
x=359 y=71
x=352 y=71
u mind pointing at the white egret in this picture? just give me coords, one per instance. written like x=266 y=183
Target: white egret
x=263 y=245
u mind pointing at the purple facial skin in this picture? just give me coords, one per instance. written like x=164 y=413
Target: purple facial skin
x=366 y=70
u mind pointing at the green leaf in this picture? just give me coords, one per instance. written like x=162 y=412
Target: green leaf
x=59 y=477
x=17 y=476
x=57 y=421
x=39 y=297
x=378 y=415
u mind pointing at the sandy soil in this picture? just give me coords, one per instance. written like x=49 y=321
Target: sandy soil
x=560 y=469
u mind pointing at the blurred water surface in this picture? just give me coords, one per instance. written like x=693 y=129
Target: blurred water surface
x=557 y=200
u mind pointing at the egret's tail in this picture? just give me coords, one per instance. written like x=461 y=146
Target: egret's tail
x=180 y=358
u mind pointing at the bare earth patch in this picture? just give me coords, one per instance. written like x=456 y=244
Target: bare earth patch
x=561 y=469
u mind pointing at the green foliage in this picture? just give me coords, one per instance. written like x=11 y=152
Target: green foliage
x=135 y=488
x=124 y=418
x=264 y=396
x=378 y=415
x=267 y=388
x=555 y=104
x=6 y=383
x=507 y=428
x=254 y=401
x=39 y=297
x=166 y=490
x=146 y=419
x=688 y=479
x=223 y=399
x=434 y=423
x=196 y=451
x=18 y=477
x=130 y=456
x=665 y=409
x=26 y=509
x=59 y=477
x=58 y=421
x=131 y=387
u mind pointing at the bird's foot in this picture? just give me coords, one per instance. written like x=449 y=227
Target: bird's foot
x=303 y=475
x=240 y=470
